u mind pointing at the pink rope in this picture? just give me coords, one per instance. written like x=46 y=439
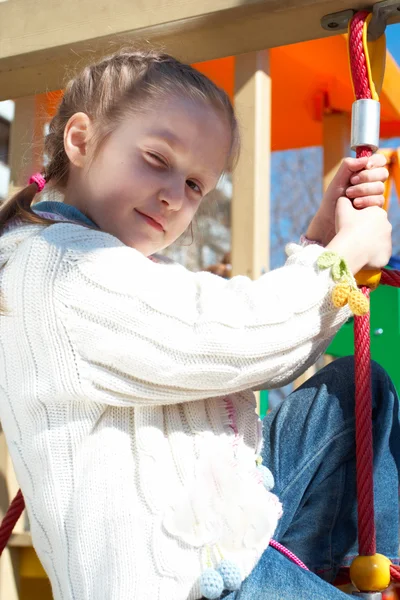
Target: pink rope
x=288 y=554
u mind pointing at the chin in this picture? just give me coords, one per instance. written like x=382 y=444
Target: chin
x=144 y=249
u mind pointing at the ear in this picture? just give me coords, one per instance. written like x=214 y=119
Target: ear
x=77 y=134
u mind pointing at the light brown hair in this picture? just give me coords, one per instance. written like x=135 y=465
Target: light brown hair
x=124 y=81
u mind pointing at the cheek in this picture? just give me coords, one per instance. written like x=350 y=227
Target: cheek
x=127 y=178
x=186 y=216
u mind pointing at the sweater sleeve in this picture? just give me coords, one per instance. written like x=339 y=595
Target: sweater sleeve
x=158 y=333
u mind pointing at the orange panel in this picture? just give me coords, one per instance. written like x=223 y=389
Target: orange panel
x=221 y=72
x=308 y=78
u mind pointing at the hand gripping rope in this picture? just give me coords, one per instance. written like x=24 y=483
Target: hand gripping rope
x=370 y=572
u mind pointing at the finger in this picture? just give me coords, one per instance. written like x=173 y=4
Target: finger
x=348 y=167
x=344 y=205
x=367 y=175
x=364 y=162
x=365 y=189
x=376 y=160
x=369 y=201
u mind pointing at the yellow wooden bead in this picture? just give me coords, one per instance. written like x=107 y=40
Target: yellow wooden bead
x=370 y=279
x=340 y=294
x=370 y=573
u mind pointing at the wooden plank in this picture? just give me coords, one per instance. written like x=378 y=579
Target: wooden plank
x=251 y=179
x=42 y=39
x=9 y=574
x=21 y=540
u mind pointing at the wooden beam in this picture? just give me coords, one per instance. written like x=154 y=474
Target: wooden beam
x=251 y=178
x=42 y=40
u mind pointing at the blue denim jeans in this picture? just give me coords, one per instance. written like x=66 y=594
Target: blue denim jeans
x=309 y=445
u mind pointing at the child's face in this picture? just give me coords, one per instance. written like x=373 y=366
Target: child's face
x=148 y=179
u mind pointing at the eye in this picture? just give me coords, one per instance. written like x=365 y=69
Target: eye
x=157 y=158
x=194 y=186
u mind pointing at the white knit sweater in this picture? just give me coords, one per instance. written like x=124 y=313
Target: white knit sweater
x=123 y=400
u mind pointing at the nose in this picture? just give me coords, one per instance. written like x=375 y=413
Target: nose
x=173 y=193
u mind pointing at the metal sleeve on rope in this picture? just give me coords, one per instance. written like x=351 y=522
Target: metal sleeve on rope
x=365 y=124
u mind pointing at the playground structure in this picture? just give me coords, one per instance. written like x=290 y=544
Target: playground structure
x=31 y=63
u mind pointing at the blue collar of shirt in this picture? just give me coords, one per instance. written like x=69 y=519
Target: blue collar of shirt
x=64 y=210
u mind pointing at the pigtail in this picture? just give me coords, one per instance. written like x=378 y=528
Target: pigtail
x=20 y=205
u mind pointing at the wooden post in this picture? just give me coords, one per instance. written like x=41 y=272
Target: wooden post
x=26 y=140
x=251 y=179
x=26 y=157
x=336 y=145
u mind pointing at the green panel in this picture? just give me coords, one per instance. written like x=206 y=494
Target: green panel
x=263 y=403
x=385 y=333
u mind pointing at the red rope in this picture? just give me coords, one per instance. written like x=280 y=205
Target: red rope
x=363 y=401
x=12 y=515
x=390 y=277
x=364 y=446
x=395 y=572
x=358 y=63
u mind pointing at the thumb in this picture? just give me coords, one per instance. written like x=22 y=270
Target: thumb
x=344 y=211
x=344 y=205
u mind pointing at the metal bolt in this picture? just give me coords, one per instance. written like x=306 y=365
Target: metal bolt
x=338 y=21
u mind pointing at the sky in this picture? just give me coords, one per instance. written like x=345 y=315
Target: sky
x=393 y=41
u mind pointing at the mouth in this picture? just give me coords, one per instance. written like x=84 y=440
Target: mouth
x=152 y=221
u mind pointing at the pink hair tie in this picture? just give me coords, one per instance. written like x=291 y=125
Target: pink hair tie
x=39 y=180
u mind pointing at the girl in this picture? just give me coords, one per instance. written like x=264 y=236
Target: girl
x=126 y=385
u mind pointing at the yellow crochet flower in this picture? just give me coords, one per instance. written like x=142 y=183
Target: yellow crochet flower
x=358 y=303
x=340 y=294
x=346 y=291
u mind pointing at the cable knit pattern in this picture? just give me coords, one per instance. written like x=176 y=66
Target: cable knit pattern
x=123 y=399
